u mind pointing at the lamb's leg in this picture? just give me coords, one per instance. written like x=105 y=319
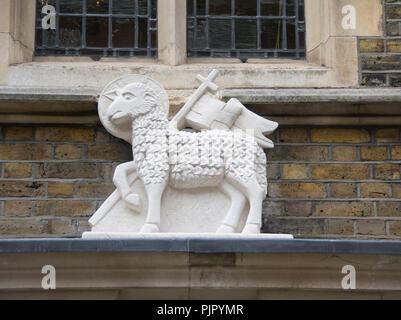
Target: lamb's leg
x=122 y=184
x=238 y=201
x=154 y=193
x=255 y=195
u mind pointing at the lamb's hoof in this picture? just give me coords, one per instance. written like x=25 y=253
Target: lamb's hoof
x=149 y=228
x=133 y=201
x=225 y=229
x=251 y=228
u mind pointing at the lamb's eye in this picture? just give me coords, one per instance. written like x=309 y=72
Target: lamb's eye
x=128 y=96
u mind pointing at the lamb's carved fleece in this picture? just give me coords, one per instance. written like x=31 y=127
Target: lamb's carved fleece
x=192 y=159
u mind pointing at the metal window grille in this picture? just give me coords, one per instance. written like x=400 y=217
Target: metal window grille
x=98 y=28
x=246 y=28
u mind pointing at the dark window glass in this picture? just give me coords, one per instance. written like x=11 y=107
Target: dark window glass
x=98 y=28
x=70 y=31
x=220 y=7
x=245 y=8
x=97 y=6
x=68 y=6
x=124 y=7
x=245 y=34
x=221 y=39
x=96 y=32
x=246 y=29
x=271 y=34
x=123 y=33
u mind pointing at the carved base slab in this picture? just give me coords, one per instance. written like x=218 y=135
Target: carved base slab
x=131 y=235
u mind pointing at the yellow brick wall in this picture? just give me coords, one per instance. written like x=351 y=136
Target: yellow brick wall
x=53 y=178
x=323 y=182
x=335 y=183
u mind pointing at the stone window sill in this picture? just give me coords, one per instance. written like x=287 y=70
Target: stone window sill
x=87 y=73
x=288 y=106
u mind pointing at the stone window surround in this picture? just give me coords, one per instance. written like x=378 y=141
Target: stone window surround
x=332 y=54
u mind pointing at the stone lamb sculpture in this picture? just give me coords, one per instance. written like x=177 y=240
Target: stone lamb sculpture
x=230 y=159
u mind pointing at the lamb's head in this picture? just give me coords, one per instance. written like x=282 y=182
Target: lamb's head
x=133 y=100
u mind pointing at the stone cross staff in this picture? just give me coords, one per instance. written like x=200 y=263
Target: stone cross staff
x=206 y=84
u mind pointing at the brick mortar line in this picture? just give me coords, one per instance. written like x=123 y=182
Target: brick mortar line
x=42 y=218
x=353 y=218
x=333 y=181
x=307 y=218
x=43 y=180
x=91 y=143
x=275 y=199
x=337 y=144
x=270 y=180
x=52 y=199
x=381 y=72
x=381 y=54
x=100 y=161
x=325 y=162
x=379 y=38
x=367 y=200
x=367 y=71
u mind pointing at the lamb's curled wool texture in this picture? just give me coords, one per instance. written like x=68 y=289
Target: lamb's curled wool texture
x=194 y=159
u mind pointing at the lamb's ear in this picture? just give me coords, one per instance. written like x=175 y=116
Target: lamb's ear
x=113 y=94
x=149 y=98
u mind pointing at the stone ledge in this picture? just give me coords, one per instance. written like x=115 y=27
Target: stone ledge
x=48 y=94
x=124 y=269
x=197 y=244
x=287 y=106
x=310 y=95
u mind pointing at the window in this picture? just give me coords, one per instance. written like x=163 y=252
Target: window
x=246 y=29
x=101 y=28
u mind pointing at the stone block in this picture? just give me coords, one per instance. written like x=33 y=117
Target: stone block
x=17 y=170
x=344 y=209
x=25 y=151
x=371 y=45
x=343 y=190
x=340 y=227
x=22 y=189
x=387 y=171
x=18 y=133
x=17 y=208
x=371 y=227
x=301 y=153
x=389 y=209
x=66 y=134
x=293 y=135
x=298 y=208
x=297 y=190
x=99 y=190
x=339 y=135
x=64 y=208
x=60 y=190
x=68 y=151
x=67 y=170
x=373 y=153
x=340 y=171
x=375 y=190
x=342 y=153
x=295 y=171
x=387 y=135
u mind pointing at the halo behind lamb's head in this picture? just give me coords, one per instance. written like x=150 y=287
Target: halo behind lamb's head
x=126 y=98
